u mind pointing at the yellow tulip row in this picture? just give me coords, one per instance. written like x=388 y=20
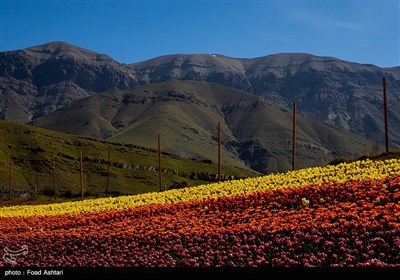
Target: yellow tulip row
x=316 y=175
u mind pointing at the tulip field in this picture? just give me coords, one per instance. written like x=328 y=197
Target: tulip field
x=341 y=216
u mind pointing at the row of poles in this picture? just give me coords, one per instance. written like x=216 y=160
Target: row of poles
x=385 y=112
x=53 y=166
x=53 y=175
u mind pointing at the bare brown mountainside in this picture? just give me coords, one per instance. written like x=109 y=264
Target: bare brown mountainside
x=39 y=80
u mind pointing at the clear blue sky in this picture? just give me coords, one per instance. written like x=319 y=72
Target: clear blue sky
x=131 y=31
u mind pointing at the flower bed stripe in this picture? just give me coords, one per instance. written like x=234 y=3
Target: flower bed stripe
x=358 y=170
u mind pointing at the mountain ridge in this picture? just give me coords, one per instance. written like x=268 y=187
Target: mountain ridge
x=64 y=44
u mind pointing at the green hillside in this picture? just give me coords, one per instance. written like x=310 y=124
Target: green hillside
x=133 y=169
x=255 y=131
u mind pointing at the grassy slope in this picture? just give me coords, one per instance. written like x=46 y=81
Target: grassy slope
x=28 y=146
x=186 y=113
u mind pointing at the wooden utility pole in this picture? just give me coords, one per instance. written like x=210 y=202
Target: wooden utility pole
x=386 y=114
x=294 y=137
x=10 y=179
x=159 y=162
x=53 y=167
x=81 y=173
x=37 y=177
x=108 y=169
x=219 y=151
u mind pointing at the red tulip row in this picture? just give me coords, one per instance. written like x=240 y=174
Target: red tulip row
x=356 y=223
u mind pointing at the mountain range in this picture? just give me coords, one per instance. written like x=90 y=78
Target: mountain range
x=36 y=82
